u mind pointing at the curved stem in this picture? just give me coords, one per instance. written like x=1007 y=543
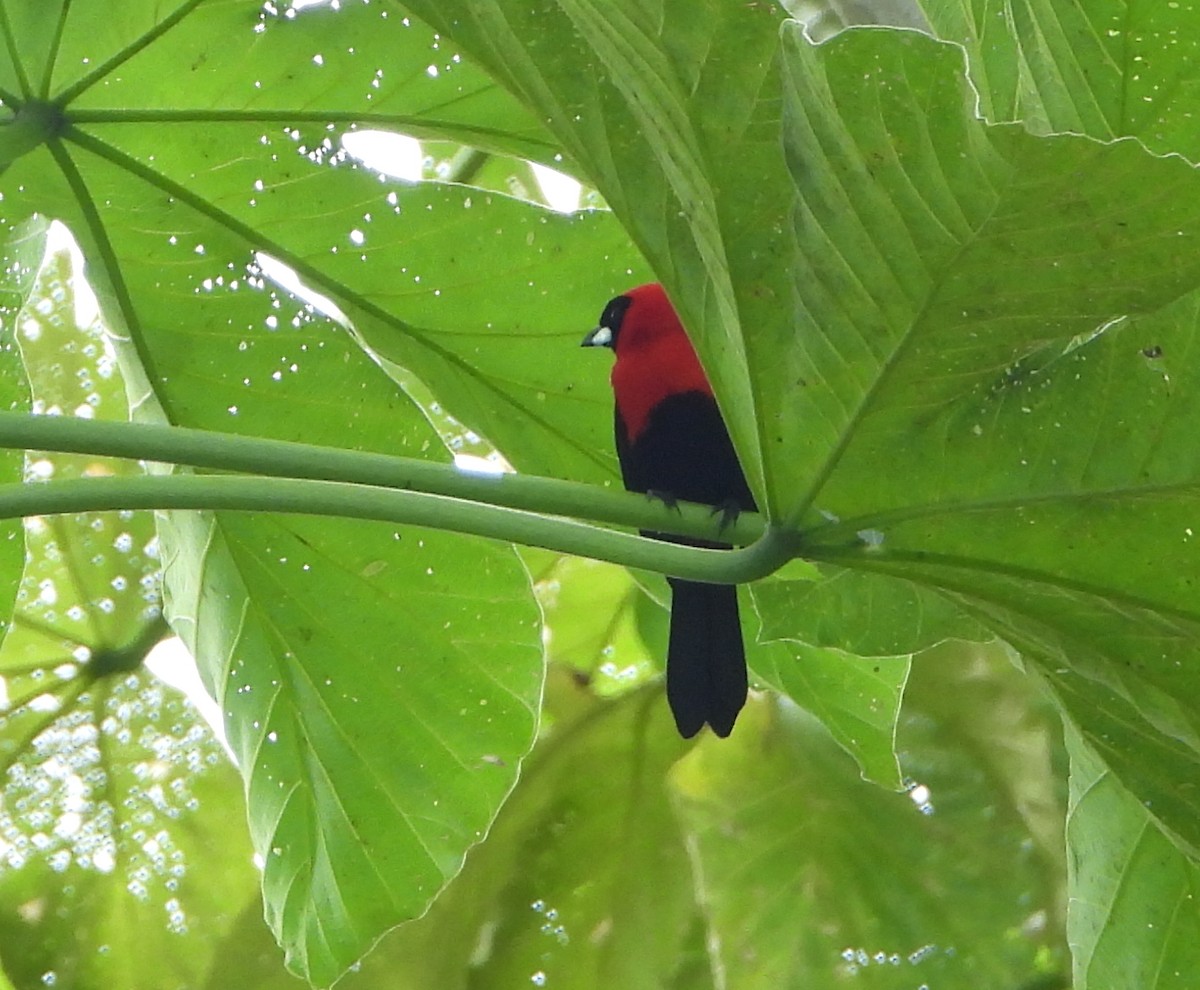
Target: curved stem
x=285 y=459
x=333 y=498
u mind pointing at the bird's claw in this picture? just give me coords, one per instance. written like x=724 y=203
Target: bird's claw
x=667 y=499
x=729 y=510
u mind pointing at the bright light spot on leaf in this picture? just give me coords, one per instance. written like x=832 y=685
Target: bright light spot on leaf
x=47 y=592
x=171 y=663
x=561 y=191
x=288 y=280
x=474 y=464
x=921 y=797
x=397 y=155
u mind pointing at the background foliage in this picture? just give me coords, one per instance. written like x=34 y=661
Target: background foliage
x=945 y=284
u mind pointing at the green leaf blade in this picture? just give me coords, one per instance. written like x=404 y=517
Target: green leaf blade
x=1133 y=919
x=376 y=753
x=1005 y=267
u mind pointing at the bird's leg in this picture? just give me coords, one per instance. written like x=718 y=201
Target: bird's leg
x=729 y=510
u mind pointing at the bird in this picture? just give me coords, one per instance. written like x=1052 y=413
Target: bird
x=673 y=444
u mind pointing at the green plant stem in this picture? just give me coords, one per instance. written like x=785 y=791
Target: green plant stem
x=334 y=498
x=466 y=164
x=284 y=459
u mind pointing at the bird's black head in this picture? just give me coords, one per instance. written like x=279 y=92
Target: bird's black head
x=605 y=333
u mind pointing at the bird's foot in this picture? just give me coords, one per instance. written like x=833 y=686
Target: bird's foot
x=667 y=499
x=729 y=511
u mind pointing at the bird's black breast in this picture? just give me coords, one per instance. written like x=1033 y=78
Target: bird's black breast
x=684 y=451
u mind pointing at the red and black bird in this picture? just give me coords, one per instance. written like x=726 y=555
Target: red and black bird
x=672 y=443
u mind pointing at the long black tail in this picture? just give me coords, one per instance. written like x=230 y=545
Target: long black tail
x=706 y=661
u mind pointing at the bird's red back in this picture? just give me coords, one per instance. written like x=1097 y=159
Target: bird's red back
x=655 y=359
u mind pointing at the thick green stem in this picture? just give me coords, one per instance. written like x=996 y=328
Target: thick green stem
x=282 y=459
x=332 y=498
x=332 y=481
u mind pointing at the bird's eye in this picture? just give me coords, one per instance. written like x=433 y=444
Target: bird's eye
x=613 y=314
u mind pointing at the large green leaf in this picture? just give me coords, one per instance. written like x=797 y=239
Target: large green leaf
x=584 y=878
x=1133 y=920
x=975 y=438
x=1010 y=728
x=940 y=253
x=856 y=698
x=401 y=265
x=380 y=685
x=381 y=691
x=1108 y=69
x=235 y=164
x=868 y=614
x=226 y=61
x=812 y=877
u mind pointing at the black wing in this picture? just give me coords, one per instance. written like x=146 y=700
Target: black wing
x=684 y=452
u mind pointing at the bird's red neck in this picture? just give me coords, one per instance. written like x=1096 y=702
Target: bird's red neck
x=648 y=371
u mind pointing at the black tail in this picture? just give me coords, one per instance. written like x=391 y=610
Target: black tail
x=706 y=662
